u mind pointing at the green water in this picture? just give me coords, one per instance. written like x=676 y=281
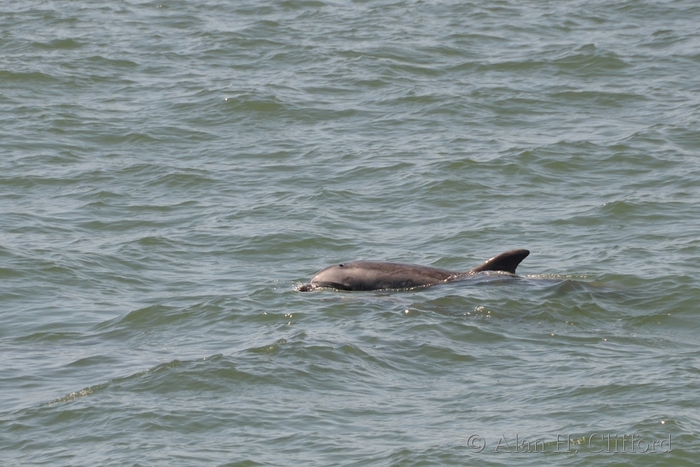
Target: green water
x=170 y=172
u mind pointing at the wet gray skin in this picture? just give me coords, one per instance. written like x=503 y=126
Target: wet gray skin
x=378 y=275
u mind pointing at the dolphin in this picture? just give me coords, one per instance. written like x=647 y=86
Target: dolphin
x=379 y=275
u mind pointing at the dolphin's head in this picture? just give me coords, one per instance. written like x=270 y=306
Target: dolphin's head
x=339 y=276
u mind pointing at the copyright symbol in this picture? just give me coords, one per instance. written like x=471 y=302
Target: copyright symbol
x=476 y=443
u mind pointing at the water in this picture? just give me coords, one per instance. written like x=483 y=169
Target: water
x=170 y=172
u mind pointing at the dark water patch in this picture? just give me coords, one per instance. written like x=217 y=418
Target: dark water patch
x=144 y=320
x=59 y=44
x=93 y=360
x=27 y=77
x=50 y=337
x=598 y=99
x=254 y=103
x=591 y=61
x=207 y=374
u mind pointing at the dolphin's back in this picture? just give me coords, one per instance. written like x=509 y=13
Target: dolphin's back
x=375 y=275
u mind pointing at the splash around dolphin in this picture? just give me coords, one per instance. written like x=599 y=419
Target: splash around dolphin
x=379 y=275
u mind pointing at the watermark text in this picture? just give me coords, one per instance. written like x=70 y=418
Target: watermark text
x=610 y=443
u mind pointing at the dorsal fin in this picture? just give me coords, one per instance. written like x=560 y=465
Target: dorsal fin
x=507 y=262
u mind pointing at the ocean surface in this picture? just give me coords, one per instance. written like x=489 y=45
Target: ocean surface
x=171 y=171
